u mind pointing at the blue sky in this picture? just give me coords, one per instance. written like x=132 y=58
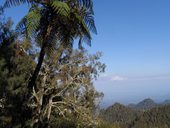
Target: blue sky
x=134 y=36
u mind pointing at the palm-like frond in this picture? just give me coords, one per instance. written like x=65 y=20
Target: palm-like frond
x=61 y=8
x=85 y=35
x=9 y=3
x=33 y=21
x=89 y=20
x=21 y=26
x=85 y=3
x=69 y=19
x=84 y=16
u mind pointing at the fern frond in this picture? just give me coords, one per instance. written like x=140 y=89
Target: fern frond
x=9 y=3
x=61 y=8
x=84 y=28
x=86 y=39
x=51 y=45
x=85 y=3
x=33 y=21
x=89 y=20
x=20 y=27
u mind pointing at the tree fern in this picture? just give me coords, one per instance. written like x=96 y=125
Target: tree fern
x=56 y=21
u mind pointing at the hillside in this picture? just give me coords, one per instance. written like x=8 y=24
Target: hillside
x=158 y=117
x=118 y=113
x=145 y=114
x=166 y=102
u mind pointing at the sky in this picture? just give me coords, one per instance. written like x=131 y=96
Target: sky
x=134 y=37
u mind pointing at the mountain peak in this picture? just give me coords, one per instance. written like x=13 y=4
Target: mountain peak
x=146 y=104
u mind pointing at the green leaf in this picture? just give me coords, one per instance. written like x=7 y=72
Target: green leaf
x=33 y=21
x=61 y=8
x=86 y=36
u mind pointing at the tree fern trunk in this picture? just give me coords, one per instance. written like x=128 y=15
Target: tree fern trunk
x=32 y=82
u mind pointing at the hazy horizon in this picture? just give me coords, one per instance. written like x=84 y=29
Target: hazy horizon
x=133 y=89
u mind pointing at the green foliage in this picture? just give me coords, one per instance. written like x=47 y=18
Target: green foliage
x=108 y=125
x=120 y=114
x=33 y=21
x=62 y=88
x=65 y=91
x=67 y=20
x=61 y=8
x=157 y=117
x=75 y=98
x=15 y=67
x=125 y=117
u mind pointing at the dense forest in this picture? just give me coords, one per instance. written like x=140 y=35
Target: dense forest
x=145 y=114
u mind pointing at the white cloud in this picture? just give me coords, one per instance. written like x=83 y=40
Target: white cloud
x=118 y=78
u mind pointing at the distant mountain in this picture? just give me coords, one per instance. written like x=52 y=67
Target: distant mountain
x=166 y=102
x=145 y=114
x=146 y=104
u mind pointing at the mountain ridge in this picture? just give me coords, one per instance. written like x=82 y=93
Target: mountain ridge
x=145 y=114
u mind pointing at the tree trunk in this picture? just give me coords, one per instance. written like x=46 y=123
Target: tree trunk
x=33 y=78
x=32 y=82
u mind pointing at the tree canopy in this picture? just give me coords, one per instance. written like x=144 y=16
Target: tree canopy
x=61 y=77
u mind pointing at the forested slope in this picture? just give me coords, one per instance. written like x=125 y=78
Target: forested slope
x=150 y=115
